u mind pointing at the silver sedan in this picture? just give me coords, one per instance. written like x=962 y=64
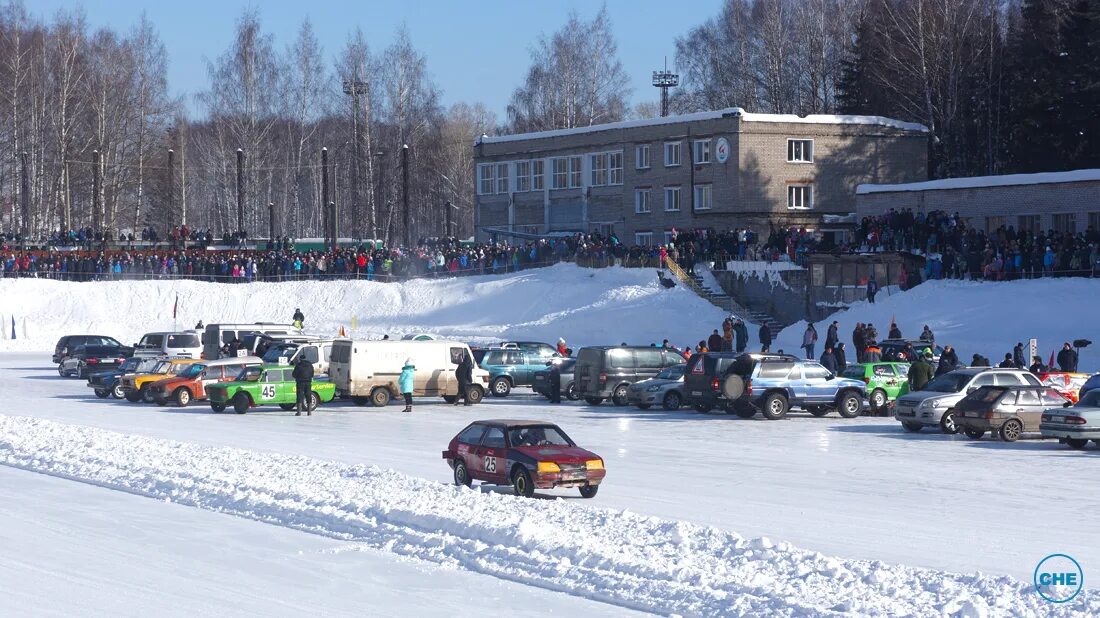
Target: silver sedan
x=1076 y=425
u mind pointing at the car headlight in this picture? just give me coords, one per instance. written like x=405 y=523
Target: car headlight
x=594 y=464
x=653 y=389
x=548 y=467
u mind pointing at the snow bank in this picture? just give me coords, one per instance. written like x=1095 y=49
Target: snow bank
x=618 y=557
x=586 y=306
x=974 y=316
x=978 y=182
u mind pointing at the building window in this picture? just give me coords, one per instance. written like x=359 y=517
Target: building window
x=800 y=197
x=485 y=180
x=700 y=151
x=1029 y=223
x=538 y=175
x=641 y=201
x=992 y=224
x=615 y=168
x=560 y=168
x=644 y=239
x=599 y=169
x=800 y=151
x=641 y=157
x=502 y=177
x=668 y=237
x=1065 y=223
x=575 y=171
x=672 y=154
x=523 y=176
x=672 y=199
x=1094 y=220
x=702 y=197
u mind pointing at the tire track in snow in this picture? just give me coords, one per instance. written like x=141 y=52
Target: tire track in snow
x=617 y=557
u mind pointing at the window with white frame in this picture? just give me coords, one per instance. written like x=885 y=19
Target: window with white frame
x=668 y=237
x=615 y=168
x=485 y=180
x=672 y=199
x=800 y=197
x=641 y=157
x=598 y=163
x=672 y=154
x=523 y=176
x=800 y=151
x=643 y=239
x=538 y=175
x=702 y=197
x=641 y=201
x=559 y=167
x=701 y=151
x=502 y=177
x=575 y=172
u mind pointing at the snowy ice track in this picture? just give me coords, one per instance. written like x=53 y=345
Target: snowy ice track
x=618 y=557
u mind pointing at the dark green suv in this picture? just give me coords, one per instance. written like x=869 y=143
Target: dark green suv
x=511 y=367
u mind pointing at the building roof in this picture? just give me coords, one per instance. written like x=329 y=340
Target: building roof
x=711 y=115
x=977 y=182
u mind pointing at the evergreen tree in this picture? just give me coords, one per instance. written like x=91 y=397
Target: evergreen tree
x=1079 y=77
x=1036 y=107
x=853 y=89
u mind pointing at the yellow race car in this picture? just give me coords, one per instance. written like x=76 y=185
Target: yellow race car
x=135 y=387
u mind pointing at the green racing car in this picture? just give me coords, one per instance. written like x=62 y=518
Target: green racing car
x=266 y=385
x=885 y=382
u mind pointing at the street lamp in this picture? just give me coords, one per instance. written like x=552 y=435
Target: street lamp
x=381 y=201
x=355 y=88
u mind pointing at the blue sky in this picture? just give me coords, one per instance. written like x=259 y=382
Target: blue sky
x=477 y=50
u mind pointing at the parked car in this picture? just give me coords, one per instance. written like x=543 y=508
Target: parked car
x=885 y=382
x=109 y=383
x=318 y=351
x=1092 y=383
x=192 y=383
x=367 y=371
x=534 y=348
x=180 y=344
x=773 y=385
x=931 y=406
x=540 y=380
x=1006 y=411
x=604 y=372
x=1069 y=384
x=86 y=359
x=217 y=336
x=511 y=367
x=665 y=389
x=260 y=385
x=1074 y=426
x=893 y=350
x=68 y=343
x=135 y=387
x=524 y=454
x=703 y=381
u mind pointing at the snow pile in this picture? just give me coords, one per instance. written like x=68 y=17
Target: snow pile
x=586 y=306
x=618 y=557
x=975 y=316
x=980 y=182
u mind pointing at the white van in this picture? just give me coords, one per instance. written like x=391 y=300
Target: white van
x=367 y=371
x=318 y=351
x=218 y=335
x=180 y=344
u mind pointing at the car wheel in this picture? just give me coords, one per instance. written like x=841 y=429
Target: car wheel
x=117 y=393
x=146 y=394
x=217 y=407
x=912 y=427
x=1096 y=442
x=288 y=406
x=618 y=396
x=462 y=475
x=594 y=401
x=450 y=398
x=1011 y=430
x=775 y=407
x=850 y=405
x=81 y=371
x=672 y=401
x=878 y=400
x=313 y=401
x=379 y=397
x=61 y=370
x=1076 y=443
x=500 y=387
x=133 y=396
x=644 y=406
x=703 y=408
x=744 y=411
x=360 y=401
x=819 y=411
x=102 y=393
x=240 y=403
x=948 y=424
x=589 y=491
x=974 y=434
x=475 y=395
x=183 y=397
x=521 y=481
x=571 y=392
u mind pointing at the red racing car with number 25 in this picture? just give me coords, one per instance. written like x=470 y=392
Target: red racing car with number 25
x=524 y=454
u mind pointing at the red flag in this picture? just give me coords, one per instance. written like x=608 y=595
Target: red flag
x=342 y=332
x=175 y=306
x=1051 y=363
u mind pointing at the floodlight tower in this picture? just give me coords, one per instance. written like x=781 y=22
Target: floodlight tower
x=664 y=80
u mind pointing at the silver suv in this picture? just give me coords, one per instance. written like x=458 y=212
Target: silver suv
x=932 y=406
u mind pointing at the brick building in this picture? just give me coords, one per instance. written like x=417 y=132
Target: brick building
x=721 y=170
x=1060 y=201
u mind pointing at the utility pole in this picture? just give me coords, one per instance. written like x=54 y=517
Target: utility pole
x=324 y=194
x=240 y=190
x=172 y=186
x=24 y=196
x=405 y=192
x=355 y=88
x=271 y=223
x=381 y=202
x=97 y=184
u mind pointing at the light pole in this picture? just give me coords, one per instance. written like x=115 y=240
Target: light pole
x=355 y=88
x=380 y=203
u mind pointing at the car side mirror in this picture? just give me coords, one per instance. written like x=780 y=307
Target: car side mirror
x=831 y=376
x=971 y=390
x=1067 y=404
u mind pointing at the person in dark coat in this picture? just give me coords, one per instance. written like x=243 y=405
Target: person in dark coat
x=1007 y=363
x=841 y=357
x=872 y=289
x=809 y=340
x=828 y=361
x=831 y=337
x=1067 y=358
x=1037 y=365
x=895 y=332
x=926 y=335
x=859 y=341
x=872 y=353
x=920 y=372
x=741 y=335
x=299 y=318
x=765 y=337
x=465 y=376
x=303 y=384
x=714 y=342
x=1018 y=356
x=979 y=361
x=555 y=382
x=948 y=361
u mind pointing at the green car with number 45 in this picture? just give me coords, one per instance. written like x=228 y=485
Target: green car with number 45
x=263 y=386
x=885 y=382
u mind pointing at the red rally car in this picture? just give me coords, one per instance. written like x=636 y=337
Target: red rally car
x=525 y=455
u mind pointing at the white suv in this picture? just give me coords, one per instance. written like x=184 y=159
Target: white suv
x=932 y=406
x=177 y=344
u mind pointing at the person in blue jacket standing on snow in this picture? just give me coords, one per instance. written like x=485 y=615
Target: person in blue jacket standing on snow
x=405 y=383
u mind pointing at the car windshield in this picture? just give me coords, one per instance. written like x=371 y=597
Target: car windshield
x=192 y=371
x=275 y=352
x=986 y=394
x=1090 y=400
x=161 y=367
x=249 y=374
x=176 y=368
x=948 y=383
x=538 y=436
x=674 y=372
x=130 y=364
